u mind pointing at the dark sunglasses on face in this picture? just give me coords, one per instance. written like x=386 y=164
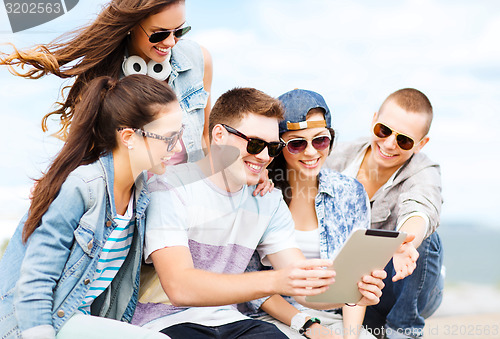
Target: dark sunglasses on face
x=162 y=35
x=383 y=131
x=170 y=141
x=298 y=145
x=256 y=145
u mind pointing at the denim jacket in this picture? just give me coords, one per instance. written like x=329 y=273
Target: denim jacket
x=44 y=282
x=186 y=80
x=341 y=206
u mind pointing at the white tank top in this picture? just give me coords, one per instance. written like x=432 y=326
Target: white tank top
x=308 y=243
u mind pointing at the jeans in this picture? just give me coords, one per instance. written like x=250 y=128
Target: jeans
x=249 y=328
x=406 y=303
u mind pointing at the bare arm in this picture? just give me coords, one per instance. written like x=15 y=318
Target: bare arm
x=188 y=286
x=353 y=321
x=405 y=259
x=415 y=225
x=282 y=310
x=279 y=309
x=207 y=84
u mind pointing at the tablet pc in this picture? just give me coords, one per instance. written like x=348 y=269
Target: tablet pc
x=364 y=251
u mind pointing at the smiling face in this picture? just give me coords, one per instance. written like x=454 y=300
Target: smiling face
x=151 y=154
x=308 y=163
x=385 y=152
x=248 y=167
x=172 y=17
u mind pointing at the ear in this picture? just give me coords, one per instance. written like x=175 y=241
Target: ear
x=219 y=135
x=126 y=137
x=421 y=145
x=375 y=118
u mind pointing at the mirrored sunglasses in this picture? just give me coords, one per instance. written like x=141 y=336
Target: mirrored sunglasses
x=298 y=145
x=383 y=131
x=162 y=35
x=256 y=145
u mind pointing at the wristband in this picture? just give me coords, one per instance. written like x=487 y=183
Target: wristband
x=308 y=324
x=351 y=305
x=298 y=321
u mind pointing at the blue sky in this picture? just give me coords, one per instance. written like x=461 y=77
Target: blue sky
x=355 y=53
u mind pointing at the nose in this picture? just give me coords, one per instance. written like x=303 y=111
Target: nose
x=263 y=155
x=177 y=147
x=310 y=150
x=170 y=40
x=390 y=142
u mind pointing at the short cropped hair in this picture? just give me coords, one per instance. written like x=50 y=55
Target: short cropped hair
x=232 y=106
x=414 y=101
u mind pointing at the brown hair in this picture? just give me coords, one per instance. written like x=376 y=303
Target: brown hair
x=106 y=105
x=86 y=53
x=232 y=106
x=414 y=101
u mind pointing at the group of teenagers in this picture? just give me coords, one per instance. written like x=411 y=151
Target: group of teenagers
x=162 y=216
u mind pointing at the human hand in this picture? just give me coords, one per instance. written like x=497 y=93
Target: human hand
x=371 y=287
x=304 y=278
x=318 y=331
x=265 y=184
x=405 y=259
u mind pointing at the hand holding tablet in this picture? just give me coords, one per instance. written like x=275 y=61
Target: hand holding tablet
x=365 y=251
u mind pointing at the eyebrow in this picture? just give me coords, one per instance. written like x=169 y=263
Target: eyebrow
x=166 y=29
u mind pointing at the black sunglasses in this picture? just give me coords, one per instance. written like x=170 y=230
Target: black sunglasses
x=162 y=35
x=170 y=141
x=298 y=145
x=255 y=145
x=383 y=131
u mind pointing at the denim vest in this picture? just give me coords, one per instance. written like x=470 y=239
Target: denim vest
x=186 y=80
x=45 y=281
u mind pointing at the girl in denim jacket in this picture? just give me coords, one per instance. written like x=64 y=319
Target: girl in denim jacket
x=130 y=36
x=75 y=258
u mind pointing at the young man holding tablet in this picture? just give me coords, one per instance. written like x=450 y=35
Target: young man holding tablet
x=204 y=224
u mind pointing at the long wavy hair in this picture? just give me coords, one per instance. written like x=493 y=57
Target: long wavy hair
x=86 y=53
x=107 y=104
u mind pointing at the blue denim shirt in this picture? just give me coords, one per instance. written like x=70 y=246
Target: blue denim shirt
x=342 y=205
x=186 y=80
x=44 y=282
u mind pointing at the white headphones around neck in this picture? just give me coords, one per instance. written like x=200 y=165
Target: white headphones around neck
x=136 y=65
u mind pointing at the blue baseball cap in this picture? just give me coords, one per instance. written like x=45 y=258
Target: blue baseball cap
x=297 y=104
